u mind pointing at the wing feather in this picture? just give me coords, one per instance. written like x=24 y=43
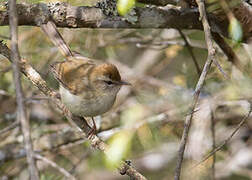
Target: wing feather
x=73 y=74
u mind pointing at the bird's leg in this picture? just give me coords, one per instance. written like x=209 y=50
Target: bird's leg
x=94 y=124
x=93 y=129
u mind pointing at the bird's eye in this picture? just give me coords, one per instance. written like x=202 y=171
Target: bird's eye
x=109 y=82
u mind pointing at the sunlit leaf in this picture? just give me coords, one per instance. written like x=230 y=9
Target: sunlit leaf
x=172 y=51
x=144 y=135
x=119 y=145
x=179 y=80
x=124 y=6
x=235 y=30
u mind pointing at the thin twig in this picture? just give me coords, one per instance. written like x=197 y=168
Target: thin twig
x=4 y=37
x=213 y=143
x=219 y=147
x=54 y=165
x=211 y=53
x=4 y=93
x=189 y=118
x=5 y=70
x=10 y=127
x=220 y=69
x=127 y=169
x=160 y=118
x=82 y=158
x=221 y=41
x=189 y=47
x=21 y=112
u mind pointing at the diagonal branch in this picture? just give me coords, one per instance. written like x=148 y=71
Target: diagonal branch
x=188 y=121
x=21 y=112
x=10 y=127
x=244 y=119
x=78 y=123
x=53 y=164
x=231 y=56
x=189 y=47
x=213 y=142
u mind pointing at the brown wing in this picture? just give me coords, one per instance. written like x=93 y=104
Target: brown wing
x=73 y=74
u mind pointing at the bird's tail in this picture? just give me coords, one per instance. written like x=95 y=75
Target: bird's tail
x=51 y=31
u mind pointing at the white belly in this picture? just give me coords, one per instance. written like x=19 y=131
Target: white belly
x=86 y=108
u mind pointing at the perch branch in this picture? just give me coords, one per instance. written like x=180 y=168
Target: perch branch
x=78 y=123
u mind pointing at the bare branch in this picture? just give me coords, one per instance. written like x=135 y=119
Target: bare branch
x=220 y=69
x=131 y=172
x=231 y=56
x=10 y=127
x=65 y=15
x=159 y=2
x=211 y=53
x=54 y=165
x=213 y=142
x=189 y=47
x=21 y=112
x=229 y=138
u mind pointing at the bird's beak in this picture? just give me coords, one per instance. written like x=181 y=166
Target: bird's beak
x=123 y=83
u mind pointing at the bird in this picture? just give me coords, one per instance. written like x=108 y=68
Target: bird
x=88 y=87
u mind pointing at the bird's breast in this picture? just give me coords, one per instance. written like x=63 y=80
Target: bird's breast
x=87 y=107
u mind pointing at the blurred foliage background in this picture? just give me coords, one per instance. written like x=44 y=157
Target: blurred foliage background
x=146 y=123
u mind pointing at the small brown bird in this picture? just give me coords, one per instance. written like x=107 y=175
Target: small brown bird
x=87 y=87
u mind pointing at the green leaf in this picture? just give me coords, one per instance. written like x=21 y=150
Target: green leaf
x=124 y=6
x=119 y=146
x=235 y=30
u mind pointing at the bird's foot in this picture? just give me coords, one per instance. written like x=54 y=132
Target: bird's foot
x=93 y=130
